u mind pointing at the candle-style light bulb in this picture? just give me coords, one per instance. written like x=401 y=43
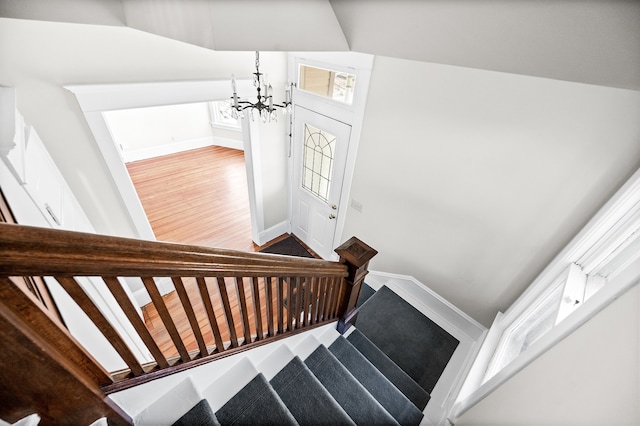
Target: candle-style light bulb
x=233 y=83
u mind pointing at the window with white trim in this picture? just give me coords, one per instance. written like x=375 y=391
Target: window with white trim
x=601 y=258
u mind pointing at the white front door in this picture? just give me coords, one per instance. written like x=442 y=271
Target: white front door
x=320 y=147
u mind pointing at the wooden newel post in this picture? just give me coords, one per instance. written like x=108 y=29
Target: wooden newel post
x=356 y=255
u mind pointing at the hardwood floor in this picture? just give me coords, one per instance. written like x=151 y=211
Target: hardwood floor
x=196 y=197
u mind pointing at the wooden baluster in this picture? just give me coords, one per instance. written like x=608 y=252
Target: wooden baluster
x=290 y=307
x=243 y=308
x=268 y=284
x=310 y=293
x=304 y=308
x=336 y=301
x=356 y=255
x=45 y=370
x=222 y=286
x=302 y=293
x=76 y=292
x=327 y=307
x=313 y=317
x=280 y=306
x=165 y=316
x=191 y=316
x=332 y=297
x=255 y=289
x=131 y=313
x=298 y=292
x=322 y=298
x=326 y=298
x=206 y=300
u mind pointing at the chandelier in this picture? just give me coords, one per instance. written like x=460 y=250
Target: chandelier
x=265 y=106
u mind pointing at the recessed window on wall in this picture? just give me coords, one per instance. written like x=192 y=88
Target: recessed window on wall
x=335 y=85
x=221 y=115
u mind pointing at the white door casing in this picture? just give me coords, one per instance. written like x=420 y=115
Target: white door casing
x=94 y=99
x=357 y=64
x=320 y=147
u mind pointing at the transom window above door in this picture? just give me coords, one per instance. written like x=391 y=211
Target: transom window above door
x=335 y=85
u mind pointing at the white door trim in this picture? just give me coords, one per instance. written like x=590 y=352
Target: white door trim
x=94 y=99
x=359 y=64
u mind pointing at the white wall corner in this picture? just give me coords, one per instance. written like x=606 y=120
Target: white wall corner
x=273 y=232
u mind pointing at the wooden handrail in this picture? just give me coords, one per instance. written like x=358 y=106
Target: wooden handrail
x=273 y=296
x=46 y=252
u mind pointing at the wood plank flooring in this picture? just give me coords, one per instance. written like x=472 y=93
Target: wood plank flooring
x=197 y=197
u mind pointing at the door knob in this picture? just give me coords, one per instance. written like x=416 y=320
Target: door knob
x=334 y=207
x=332 y=216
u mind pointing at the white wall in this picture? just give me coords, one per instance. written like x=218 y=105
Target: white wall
x=141 y=128
x=594 y=41
x=38 y=58
x=473 y=180
x=590 y=378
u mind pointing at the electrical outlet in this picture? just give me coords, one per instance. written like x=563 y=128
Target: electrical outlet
x=357 y=205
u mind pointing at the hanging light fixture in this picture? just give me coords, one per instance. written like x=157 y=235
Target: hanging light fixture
x=265 y=106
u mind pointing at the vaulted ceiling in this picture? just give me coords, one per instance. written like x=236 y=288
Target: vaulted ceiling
x=590 y=41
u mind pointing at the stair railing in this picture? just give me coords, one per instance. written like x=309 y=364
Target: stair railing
x=246 y=299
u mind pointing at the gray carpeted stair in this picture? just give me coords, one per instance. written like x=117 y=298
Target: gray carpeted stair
x=356 y=401
x=200 y=415
x=376 y=383
x=257 y=404
x=356 y=381
x=426 y=348
x=305 y=397
x=390 y=370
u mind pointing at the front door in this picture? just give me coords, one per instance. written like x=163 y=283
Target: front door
x=320 y=147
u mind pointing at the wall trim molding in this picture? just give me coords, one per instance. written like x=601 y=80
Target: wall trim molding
x=175 y=147
x=273 y=232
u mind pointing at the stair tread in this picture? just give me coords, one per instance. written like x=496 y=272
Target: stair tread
x=229 y=383
x=256 y=403
x=306 y=398
x=200 y=414
x=412 y=390
x=358 y=403
x=386 y=318
x=385 y=392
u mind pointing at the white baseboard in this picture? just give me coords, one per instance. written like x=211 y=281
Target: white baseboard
x=424 y=298
x=273 y=232
x=172 y=148
x=228 y=143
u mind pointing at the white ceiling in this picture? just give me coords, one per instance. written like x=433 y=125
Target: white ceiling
x=587 y=41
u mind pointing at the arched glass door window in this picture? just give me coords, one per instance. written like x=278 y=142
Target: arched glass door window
x=319 y=148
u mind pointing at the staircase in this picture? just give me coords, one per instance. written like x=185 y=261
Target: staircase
x=255 y=338
x=321 y=378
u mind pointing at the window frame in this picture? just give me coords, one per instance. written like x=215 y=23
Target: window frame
x=611 y=237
